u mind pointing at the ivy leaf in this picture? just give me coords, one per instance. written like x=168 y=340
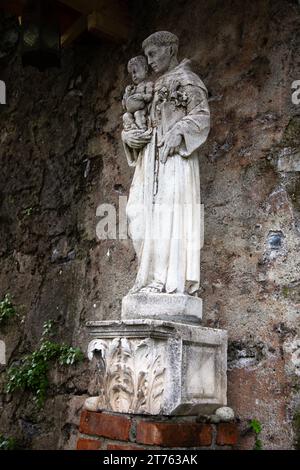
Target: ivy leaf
x=31 y=373
x=7 y=309
x=255 y=426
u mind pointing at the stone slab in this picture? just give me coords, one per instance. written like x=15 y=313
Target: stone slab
x=170 y=307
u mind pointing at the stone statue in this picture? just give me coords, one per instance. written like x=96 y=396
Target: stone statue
x=158 y=359
x=163 y=209
x=137 y=96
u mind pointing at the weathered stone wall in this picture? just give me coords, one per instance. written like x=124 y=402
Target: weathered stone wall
x=61 y=157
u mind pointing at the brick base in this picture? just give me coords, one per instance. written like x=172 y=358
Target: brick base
x=127 y=432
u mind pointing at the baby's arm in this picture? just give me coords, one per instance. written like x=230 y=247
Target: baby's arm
x=139 y=96
x=148 y=91
x=127 y=93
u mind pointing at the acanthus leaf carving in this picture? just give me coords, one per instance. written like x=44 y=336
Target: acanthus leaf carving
x=130 y=375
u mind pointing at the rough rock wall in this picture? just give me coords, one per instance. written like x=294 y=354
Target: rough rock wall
x=61 y=157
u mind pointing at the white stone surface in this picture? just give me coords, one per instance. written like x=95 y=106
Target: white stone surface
x=2 y=353
x=175 y=307
x=292 y=348
x=225 y=413
x=289 y=160
x=158 y=367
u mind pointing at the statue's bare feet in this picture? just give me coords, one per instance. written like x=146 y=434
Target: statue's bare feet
x=153 y=288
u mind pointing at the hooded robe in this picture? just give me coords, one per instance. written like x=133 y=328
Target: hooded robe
x=164 y=207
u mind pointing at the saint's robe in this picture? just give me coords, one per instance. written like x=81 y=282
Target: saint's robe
x=163 y=210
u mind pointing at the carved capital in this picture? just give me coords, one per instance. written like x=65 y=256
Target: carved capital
x=130 y=374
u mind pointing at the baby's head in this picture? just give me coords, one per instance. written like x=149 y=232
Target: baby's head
x=138 y=68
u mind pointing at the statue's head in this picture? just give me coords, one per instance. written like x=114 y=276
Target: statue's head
x=138 y=69
x=161 y=50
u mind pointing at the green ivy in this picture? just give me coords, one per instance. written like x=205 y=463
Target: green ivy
x=7 y=443
x=7 y=309
x=256 y=427
x=28 y=211
x=32 y=371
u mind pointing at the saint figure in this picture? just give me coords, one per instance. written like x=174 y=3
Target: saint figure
x=163 y=209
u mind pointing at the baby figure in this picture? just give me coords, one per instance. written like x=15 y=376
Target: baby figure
x=137 y=96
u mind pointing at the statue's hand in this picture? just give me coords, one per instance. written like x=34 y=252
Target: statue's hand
x=170 y=143
x=136 y=138
x=137 y=97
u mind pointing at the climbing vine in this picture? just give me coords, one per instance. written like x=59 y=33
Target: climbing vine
x=32 y=371
x=7 y=309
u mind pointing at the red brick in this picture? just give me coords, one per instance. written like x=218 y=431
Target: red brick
x=174 y=434
x=88 y=444
x=122 y=447
x=106 y=425
x=227 y=434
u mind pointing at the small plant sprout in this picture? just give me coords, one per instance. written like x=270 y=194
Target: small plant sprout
x=256 y=427
x=28 y=211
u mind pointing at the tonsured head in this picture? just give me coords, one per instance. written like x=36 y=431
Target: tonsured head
x=160 y=49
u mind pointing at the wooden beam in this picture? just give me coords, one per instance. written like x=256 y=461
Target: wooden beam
x=104 y=17
x=85 y=6
x=101 y=24
x=67 y=17
x=74 y=31
x=108 y=18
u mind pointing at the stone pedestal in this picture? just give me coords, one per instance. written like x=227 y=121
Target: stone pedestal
x=157 y=367
x=170 y=307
